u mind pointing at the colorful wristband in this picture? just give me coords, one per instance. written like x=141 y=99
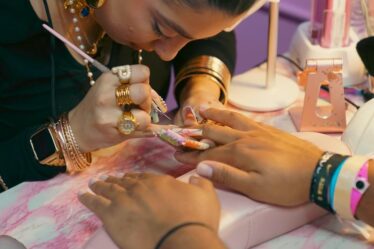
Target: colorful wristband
x=325 y=169
x=332 y=184
x=361 y=185
x=344 y=185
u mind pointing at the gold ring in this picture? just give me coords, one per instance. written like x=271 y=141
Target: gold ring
x=123 y=73
x=127 y=123
x=123 y=95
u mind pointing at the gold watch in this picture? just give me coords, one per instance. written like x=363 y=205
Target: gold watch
x=46 y=147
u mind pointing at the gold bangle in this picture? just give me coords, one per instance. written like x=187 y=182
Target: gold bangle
x=211 y=63
x=223 y=92
x=208 y=65
x=83 y=158
x=74 y=158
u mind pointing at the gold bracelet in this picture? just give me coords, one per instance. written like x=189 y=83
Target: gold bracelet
x=74 y=158
x=84 y=159
x=223 y=92
x=207 y=65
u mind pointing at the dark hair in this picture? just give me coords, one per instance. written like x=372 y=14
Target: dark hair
x=231 y=7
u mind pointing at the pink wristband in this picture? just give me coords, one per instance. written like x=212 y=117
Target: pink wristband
x=360 y=186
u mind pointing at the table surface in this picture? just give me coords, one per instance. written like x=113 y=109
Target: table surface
x=26 y=210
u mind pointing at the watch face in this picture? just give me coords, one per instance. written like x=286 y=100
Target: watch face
x=43 y=144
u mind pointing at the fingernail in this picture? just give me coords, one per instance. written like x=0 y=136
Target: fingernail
x=204 y=170
x=81 y=192
x=92 y=181
x=103 y=177
x=189 y=114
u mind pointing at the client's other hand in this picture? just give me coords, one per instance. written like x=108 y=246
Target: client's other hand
x=260 y=161
x=138 y=209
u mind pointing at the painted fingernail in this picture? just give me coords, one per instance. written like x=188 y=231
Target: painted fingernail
x=92 y=181
x=103 y=177
x=189 y=114
x=204 y=170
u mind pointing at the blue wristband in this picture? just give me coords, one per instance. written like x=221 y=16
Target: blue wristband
x=334 y=179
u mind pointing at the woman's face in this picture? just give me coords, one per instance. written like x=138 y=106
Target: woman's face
x=162 y=26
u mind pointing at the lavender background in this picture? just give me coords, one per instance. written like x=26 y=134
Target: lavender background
x=252 y=35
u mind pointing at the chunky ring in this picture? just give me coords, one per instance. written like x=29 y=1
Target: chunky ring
x=127 y=123
x=123 y=95
x=123 y=73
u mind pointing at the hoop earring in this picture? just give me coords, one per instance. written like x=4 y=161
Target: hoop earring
x=95 y=4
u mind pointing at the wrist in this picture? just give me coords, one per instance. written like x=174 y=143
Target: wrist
x=200 y=87
x=341 y=183
x=207 y=69
x=204 y=237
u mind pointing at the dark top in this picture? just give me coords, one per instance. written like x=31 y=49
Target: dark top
x=26 y=93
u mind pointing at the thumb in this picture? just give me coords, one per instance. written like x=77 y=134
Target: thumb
x=225 y=175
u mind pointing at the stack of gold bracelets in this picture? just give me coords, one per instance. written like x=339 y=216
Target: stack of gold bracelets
x=68 y=152
x=209 y=67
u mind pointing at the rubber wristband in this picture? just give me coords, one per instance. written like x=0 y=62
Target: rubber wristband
x=361 y=185
x=345 y=184
x=325 y=169
x=332 y=184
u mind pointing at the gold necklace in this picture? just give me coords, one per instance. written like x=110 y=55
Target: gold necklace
x=79 y=12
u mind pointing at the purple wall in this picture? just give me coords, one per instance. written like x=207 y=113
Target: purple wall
x=252 y=35
x=252 y=32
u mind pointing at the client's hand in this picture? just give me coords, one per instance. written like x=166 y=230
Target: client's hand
x=260 y=161
x=94 y=119
x=138 y=209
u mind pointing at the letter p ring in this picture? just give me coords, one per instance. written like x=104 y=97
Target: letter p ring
x=123 y=73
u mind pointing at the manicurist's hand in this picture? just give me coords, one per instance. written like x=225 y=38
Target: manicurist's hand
x=94 y=119
x=138 y=209
x=198 y=92
x=262 y=162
